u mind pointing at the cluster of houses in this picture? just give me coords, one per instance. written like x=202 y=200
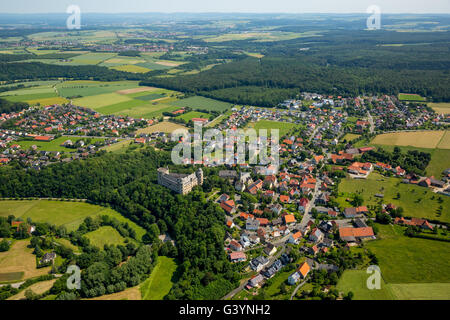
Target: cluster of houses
x=73 y=120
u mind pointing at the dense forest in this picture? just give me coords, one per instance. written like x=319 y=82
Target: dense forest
x=127 y=183
x=36 y=70
x=256 y=81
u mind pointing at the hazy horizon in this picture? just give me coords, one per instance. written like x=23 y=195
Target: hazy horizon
x=230 y=6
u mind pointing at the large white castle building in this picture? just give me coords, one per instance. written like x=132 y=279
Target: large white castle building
x=180 y=183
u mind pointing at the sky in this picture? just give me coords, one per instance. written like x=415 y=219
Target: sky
x=248 y=6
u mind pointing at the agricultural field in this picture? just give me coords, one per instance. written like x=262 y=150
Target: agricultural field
x=54 y=145
x=161 y=280
x=416 y=201
x=105 y=235
x=128 y=294
x=202 y=103
x=441 y=108
x=91 y=88
x=410 y=97
x=283 y=127
x=167 y=127
x=131 y=68
x=61 y=213
x=101 y=100
x=19 y=263
x=405 y=260
x=437 y=143
x=419 y=139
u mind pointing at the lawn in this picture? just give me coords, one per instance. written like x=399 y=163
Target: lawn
x=356 y=282
x=20 y=260
x=68 y=214
x=410 y=260
x=202 y=103
x=420 y=139
x=390 y=186
x=161 y=280
x=105 y=235
x=283 y=127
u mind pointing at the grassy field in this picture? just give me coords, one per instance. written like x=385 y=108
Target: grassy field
x=410 y=97
x=193 y=114
x=356 y=282
x=350 y=137
x=421 y=291
x=420 y=139
x=410 y=260
x=202 y=103
x=119 y=147
x=101 y=100
x=20 y=260
x=105 y=235
x=167 y=127
x=127 y=294
x=118 y=108
x=409 y=196
x=37 y=288
x=54 y=145
x=441 y=108
x=439 y=162
x=438 y=146
x=131 y=68
x=92 y=88
x=283 y=127
x=158 y=285
x=61 y=213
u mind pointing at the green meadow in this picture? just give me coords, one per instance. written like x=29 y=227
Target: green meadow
x=410 y=260
x=193 y=114
x=105 y=235
x=54 y=145
x=416 y=201
x=161 y=280
x=61 y=213
x=202 y=103
x=283 y=127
